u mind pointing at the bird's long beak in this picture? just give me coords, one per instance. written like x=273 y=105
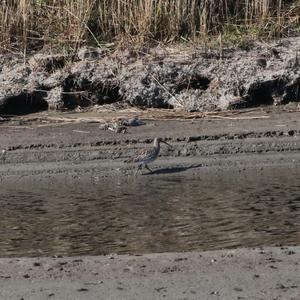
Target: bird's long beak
x=167 y=144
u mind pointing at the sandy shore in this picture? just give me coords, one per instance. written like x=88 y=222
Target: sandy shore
x=269 y=273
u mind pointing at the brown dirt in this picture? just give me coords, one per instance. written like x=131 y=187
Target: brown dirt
x=35 y=147
x=270 y=273
x=37 y=143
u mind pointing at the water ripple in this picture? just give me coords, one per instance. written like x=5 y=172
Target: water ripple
x=151 y=214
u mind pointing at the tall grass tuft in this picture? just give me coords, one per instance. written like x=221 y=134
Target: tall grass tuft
x=32 y=24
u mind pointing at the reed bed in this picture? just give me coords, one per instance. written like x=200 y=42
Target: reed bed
x=33 y=24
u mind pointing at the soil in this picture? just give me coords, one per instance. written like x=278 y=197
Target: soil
x=75 y=145
x=265 y=273
x=187 y=76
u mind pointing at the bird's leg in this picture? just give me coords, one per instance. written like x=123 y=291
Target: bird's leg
x=146 y=166
x=138 y=168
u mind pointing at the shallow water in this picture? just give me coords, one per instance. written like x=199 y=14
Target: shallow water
x=151 y=214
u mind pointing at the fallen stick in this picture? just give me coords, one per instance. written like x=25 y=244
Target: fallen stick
x=240 y=118
x=81 y=131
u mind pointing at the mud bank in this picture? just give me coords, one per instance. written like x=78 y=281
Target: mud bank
x=264 y=273
x=187 y=76
x=50 y=146
x=254 y=138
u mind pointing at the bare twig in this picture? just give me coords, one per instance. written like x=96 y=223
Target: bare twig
x=83 y=22
x=46 y=91
x=81 y=131
x=166 y=90
x=240 y=118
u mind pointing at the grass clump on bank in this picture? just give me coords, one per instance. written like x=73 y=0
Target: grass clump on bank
x=33 y=24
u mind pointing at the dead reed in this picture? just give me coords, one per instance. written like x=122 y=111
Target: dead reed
x=33 y=24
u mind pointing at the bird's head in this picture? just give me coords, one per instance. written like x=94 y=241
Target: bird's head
x=159 y=140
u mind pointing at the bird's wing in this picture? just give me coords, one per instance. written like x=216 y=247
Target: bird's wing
x=142 y=155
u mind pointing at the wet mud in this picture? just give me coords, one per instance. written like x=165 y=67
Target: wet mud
x=264 y=273
x=35 y=150
x=263 y=136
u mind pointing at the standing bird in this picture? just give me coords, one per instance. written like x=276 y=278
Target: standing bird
x=146 y=156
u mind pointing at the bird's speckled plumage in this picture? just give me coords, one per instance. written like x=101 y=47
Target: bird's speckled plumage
x=146 y=156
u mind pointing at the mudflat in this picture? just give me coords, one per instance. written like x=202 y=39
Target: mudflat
x=43 y=146
x=265 y=273
x=74 y=144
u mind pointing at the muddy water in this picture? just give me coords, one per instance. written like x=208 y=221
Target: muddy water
x=151 y=213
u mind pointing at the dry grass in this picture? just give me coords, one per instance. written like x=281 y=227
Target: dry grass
x=32 y=24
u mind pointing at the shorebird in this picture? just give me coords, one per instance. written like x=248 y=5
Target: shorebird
x=146 y=156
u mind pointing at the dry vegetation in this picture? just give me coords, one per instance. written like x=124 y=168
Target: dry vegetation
x=32 y=24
